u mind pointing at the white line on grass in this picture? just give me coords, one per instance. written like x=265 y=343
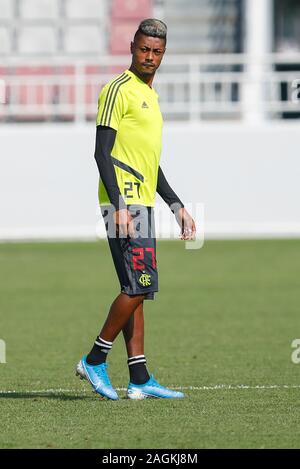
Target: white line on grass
x=216 y=387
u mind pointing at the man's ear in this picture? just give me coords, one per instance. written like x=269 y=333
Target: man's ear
x=131 y=47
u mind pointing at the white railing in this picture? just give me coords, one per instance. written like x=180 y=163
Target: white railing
x=191 y=88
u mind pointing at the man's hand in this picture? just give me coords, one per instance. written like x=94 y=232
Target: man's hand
x=124 y=222
x=187 y=224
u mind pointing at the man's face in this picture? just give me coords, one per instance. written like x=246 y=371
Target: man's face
x=147 y=53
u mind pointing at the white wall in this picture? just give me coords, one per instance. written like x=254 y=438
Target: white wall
x=246 y=177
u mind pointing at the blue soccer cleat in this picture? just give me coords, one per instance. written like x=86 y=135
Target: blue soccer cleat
x=98 y=377
x=80 y=371
x=151 y=389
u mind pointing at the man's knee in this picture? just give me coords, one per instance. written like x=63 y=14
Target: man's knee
x=139 y=298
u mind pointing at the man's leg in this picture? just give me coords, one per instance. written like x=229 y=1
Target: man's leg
x=120 y=311
x=93 y=367
x=133 y=333
x=141 y=384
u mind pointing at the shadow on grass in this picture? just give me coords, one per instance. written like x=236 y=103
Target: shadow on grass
x=36 y=396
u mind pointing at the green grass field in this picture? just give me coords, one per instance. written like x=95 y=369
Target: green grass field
x=225 y=315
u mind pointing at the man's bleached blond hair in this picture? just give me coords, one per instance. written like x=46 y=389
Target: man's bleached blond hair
x=153 y=27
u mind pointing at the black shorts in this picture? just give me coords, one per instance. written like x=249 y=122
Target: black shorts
x=134 y=258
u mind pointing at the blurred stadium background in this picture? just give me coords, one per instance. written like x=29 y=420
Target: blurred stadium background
x=229 y=94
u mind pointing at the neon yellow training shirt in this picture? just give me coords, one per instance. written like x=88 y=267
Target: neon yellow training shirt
x=131 y=107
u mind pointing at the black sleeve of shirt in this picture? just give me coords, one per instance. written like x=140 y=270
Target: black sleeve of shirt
x=105 y=139
x=166 y=192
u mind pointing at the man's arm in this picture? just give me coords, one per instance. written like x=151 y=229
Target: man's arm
x=184 y=220
x=105 y=139
x=166 y=192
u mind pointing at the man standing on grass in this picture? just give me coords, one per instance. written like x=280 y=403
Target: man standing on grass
x=128 y=147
